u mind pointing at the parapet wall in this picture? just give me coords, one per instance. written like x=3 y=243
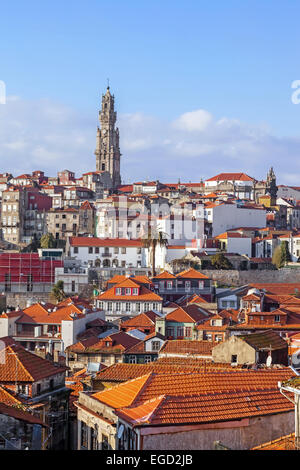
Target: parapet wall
x=239 y=278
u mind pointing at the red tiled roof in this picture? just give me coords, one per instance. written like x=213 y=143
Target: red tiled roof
x=93 y=241
x=28 y=366
x=165 y=275
x=263 y=384
x=191 y=274
x=20 y=415
x=185 y=347
x=283 y=443
x=170 y=410
x=231 y=177
x=143 y=320
x=8 y=398
x=144 y=293
x=280 y=288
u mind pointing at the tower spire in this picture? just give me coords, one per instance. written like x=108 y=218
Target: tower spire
x=107 y=142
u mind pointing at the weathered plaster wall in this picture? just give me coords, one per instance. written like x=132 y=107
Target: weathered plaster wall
x=240 y=278
x=260 y=430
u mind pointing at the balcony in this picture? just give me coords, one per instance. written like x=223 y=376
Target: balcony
x=183 y=290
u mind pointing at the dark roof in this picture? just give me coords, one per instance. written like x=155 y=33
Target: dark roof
x=264 y=340
x=20 y=415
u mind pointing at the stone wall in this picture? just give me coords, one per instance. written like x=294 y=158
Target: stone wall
x=239 y=278
x=21 y=299
x=243 y=437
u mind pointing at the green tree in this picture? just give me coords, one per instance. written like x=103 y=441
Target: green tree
x=58 y=291
x=154 y=239
x=47 y=241
x=219 y=261
x=281 y=255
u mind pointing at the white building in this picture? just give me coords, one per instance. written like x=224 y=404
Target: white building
x=226 y=216
x=129 y=298
x=107 y=252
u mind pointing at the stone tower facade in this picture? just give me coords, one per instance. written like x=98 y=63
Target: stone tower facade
x=271 y=187
x=107 y=145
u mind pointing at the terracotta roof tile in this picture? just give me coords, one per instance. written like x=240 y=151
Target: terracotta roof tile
x=191 y=274
x=188 y=347
x=93 y=241
x=121 y=395
x=29 y=366
x=200 y=408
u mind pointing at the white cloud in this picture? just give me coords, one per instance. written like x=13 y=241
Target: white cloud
x=194 y=121
x=50 y=136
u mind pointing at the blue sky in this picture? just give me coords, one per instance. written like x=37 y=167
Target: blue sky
x=234 y=60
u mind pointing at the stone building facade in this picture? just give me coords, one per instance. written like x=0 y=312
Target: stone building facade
x=107 y=144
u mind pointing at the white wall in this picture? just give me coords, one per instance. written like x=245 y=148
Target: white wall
x=130 y=257
x=242 y=246
x=229 y=216
x=71 y=328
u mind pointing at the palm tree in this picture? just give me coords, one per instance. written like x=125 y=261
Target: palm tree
x=58 y=291
x=153 y=239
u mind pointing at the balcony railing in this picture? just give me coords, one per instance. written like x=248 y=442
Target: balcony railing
x=183 y=290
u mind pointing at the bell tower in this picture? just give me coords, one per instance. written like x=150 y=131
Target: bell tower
x=107 y=142
x=271 y=187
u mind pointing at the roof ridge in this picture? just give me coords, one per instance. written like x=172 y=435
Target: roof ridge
x=19 y=361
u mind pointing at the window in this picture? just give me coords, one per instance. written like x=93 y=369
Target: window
x=123 y=250
x=105 y=444
x=188 y=332
x=76 y=249
x=132 y=359
x=128 y=291
x=109 y=306
x=180 y=331
x=128 y=306
x=147 y=359
x=84 y=435
x=155 y=345
x=135 y=291
x=139 y=251
x=116 y=250
x=170 y=331
x=73 y=286
x=118 y=291
x=29 y=283
x=277 y=318
x=90 y=249
x=234 y=359
x=97 y=250
x=169 y=285
x=123 y=264
x=118 y=306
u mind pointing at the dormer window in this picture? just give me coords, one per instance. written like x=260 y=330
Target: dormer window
x=118 y=291
x=128 y=291
x=169 y=284
x=277 y=318
x=135 y=291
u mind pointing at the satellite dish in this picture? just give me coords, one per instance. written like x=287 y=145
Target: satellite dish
x=269 y=361
x=120 y=431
